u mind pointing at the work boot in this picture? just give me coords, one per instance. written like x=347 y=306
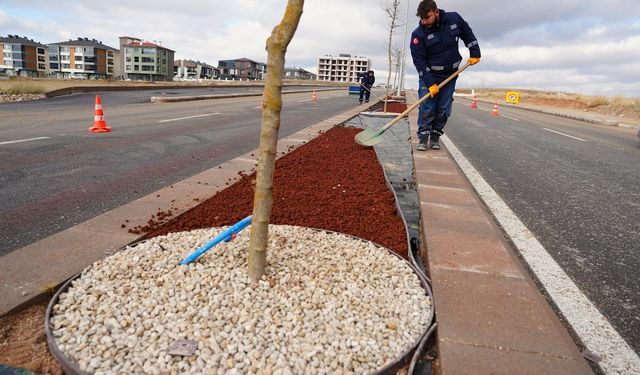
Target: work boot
x=366 y=100
x=434 y=142
x=422 y=145
x=360 y=101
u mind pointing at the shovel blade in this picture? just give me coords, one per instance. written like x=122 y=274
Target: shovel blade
x=368 y=137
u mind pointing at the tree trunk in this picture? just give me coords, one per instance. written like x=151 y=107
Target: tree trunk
x=271 y=107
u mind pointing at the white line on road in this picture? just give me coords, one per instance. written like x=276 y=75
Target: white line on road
x=509 y=117
x=566 y=135
x=186 y=118
x=23 y=140
x=591 y=326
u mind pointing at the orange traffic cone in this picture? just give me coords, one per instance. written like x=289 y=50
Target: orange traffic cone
x=474 y=103
x=99 y=125
x=314 y=96
x=494 y=112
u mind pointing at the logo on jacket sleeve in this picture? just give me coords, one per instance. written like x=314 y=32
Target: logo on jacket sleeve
x=415 y=41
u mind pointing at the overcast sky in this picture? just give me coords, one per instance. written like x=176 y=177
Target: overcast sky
x=568 y=45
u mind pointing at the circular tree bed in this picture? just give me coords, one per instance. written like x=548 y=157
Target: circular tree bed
x=322 y=307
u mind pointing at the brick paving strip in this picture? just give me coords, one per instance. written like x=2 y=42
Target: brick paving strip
x=491 y=317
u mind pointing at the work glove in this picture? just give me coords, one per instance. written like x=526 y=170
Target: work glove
x=433 y=90
x=473 y=60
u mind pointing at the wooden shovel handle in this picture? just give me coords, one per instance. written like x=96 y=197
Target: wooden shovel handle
x=416 y=104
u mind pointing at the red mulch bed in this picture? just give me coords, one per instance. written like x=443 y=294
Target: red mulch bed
x=329 y=183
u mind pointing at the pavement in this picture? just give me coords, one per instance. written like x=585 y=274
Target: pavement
x=491 y=316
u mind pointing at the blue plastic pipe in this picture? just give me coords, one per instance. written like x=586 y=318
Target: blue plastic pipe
x=226 y=236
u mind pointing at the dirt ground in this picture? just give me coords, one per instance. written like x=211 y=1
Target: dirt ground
x=625 y=109
x=330 y=183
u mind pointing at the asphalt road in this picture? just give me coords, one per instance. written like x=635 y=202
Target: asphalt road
x=60 y=174
x=576 y=186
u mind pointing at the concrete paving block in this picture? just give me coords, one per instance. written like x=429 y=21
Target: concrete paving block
x=456 y=358
x=454 y=250
x=490 y=311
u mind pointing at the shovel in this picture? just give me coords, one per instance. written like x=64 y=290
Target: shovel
x=371 y=92
x=370 y=137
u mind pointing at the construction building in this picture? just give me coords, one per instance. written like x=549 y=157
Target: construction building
x=146 y=61
x=342 y=68
x=82 y=58
x=242 y=68
x=22 y=57
x=189 y=69
x=298 y=73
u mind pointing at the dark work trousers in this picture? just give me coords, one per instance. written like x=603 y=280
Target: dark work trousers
x=365 y=92
x=434 y=112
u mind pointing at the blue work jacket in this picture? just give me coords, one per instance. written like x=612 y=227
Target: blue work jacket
x=435 y=49
x=367 y=80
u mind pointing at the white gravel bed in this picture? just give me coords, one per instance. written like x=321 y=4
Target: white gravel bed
x=328 y=304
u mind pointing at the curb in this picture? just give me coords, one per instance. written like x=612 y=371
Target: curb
x=559 y=114
x=83 y=89
x=33 y=272
x=172 y=99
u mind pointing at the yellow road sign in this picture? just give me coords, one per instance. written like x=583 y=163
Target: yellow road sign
x=512 y=97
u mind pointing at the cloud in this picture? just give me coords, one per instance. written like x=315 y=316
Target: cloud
x=585 y=47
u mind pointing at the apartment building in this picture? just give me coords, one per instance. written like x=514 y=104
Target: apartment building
x=342 y=68
x=189 y=69
x=82 y=58
x=242 y=68
x=22 y=57
x=298 y=73
x=146 y=61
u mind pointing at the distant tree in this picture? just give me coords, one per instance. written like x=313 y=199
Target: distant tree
x=392 y=12
x=271 y=108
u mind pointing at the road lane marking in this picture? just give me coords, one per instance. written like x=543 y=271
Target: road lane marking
x=566 y=135
x=509 y=117
x=590 y=325
x=189 y=117
x=23 y=140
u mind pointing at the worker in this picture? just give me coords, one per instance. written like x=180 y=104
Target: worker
x=367 y=80
x=434 y=49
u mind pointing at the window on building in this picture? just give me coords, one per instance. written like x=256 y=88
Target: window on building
x=66 y=66
x=7 y=55
x=42 y=66
x=53 y=57
x=136 y=59
x=53 y=65
x=148 y=51
x=147 y=59
x=78 y=49
x=110 y=53
x=128 y=50
x=78 y=66
x=128 y=67
x=136 y=67
x=128 y=59
x=41 y=58
x=40 y=51
x=148 y=68
x=78 y=58
x=64 y=49
x=64 y=57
